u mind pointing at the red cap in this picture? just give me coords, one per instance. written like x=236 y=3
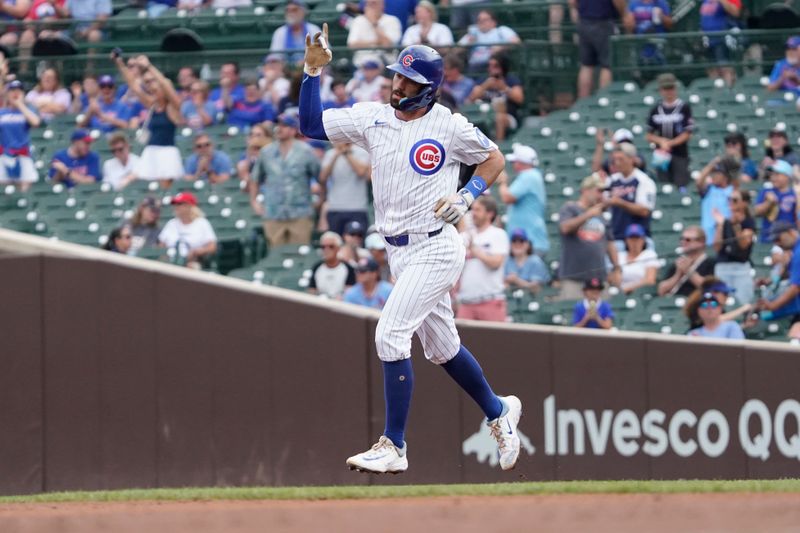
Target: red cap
x=184 y=198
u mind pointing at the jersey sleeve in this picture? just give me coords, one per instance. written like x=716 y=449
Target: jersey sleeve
x=93 y=169
x=652 y=127
x=688 y=119
x=470 y=145
x=312 y=281
x=646 y=193
x=348 y=124
x=794 y=271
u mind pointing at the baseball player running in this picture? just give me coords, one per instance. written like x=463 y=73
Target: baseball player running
x=416 y=147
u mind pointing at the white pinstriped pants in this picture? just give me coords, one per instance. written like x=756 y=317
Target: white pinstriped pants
x=425 y=270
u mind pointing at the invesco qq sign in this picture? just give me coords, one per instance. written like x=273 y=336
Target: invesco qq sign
x=686 y=433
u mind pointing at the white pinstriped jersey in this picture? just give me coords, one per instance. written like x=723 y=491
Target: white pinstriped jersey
x=414 y=163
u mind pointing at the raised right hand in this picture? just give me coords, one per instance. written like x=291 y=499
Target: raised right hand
x=317 y=52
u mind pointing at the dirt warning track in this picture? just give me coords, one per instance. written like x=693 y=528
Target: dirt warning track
x=653 y=513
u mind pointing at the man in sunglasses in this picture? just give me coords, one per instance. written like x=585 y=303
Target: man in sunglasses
x=120 y=169
x=207 y=163
x=710 y=312
x=688 y=270
x=106 y=112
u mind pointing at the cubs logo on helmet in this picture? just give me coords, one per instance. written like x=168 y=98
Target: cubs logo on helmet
x=407 y=60
x=427 y=157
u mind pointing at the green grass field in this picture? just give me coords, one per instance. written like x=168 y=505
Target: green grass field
x=412 y=491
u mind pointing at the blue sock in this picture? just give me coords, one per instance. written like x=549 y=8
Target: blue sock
x=398 y=384
x=466 y=371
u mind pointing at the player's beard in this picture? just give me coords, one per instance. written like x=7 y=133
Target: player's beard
x=396 y=103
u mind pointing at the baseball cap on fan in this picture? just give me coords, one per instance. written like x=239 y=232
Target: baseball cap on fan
x=367 y=265
x=184 y=198
x=374 y=241
x=623 y=135
x=81 y=135
x=523 y=154
x=793 y=41
x=781 y=167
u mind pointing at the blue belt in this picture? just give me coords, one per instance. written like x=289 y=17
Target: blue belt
x=402 y=240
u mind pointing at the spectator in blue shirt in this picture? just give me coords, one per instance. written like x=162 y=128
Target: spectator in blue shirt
x=455 y=83
x=251 y=109
x=592 y=311
x=715 y=185
x=198 y=111
x=524 y=269
x=369 y=290
x=720 y=16
x=292 y=35
x=16 y=120
x=76 y=164
x=92 y=14
x=229 y=89
x=736 y=145
x=777 y=200
x=207 y=163
x=651 y=17
x=785 y=75
x=106 y=112
x=710 y=313
x=785 y=235
x=341 y=98
x=526 y=197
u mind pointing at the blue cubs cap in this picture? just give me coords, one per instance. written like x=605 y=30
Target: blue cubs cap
x=781 y=167
x=16 y=84
x=519 y=233
x=367 y=265
x=793 y=41
x=81 y=135
x=635 y=230
x=354 y=227
x=288 y=120
x=720 y=286
x=593 y=283
x=105 y=81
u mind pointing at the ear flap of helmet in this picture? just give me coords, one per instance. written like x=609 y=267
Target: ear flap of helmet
x=425 y=97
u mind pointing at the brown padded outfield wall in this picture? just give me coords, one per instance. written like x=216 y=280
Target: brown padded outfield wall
x=115 y=375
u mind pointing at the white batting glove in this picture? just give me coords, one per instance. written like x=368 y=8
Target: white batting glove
x=452 y=208
x=317 y=52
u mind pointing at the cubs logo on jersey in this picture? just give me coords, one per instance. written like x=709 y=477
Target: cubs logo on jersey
x=427 y=157
x=482 y=139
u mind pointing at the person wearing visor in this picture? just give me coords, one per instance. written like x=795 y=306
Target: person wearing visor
x=710 y=312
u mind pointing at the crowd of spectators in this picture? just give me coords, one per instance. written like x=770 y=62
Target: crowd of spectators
x=298 y=187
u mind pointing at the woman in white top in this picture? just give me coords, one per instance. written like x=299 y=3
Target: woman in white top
x=639 y=264
x=189 y=233
x=49 y=97
x=427 y=30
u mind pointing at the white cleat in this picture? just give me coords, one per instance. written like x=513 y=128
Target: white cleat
x=383 y=458
x=504 y=431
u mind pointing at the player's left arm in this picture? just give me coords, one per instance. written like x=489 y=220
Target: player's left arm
x=452 y=208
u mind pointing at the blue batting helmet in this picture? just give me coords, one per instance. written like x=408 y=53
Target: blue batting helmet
x=423 y=65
